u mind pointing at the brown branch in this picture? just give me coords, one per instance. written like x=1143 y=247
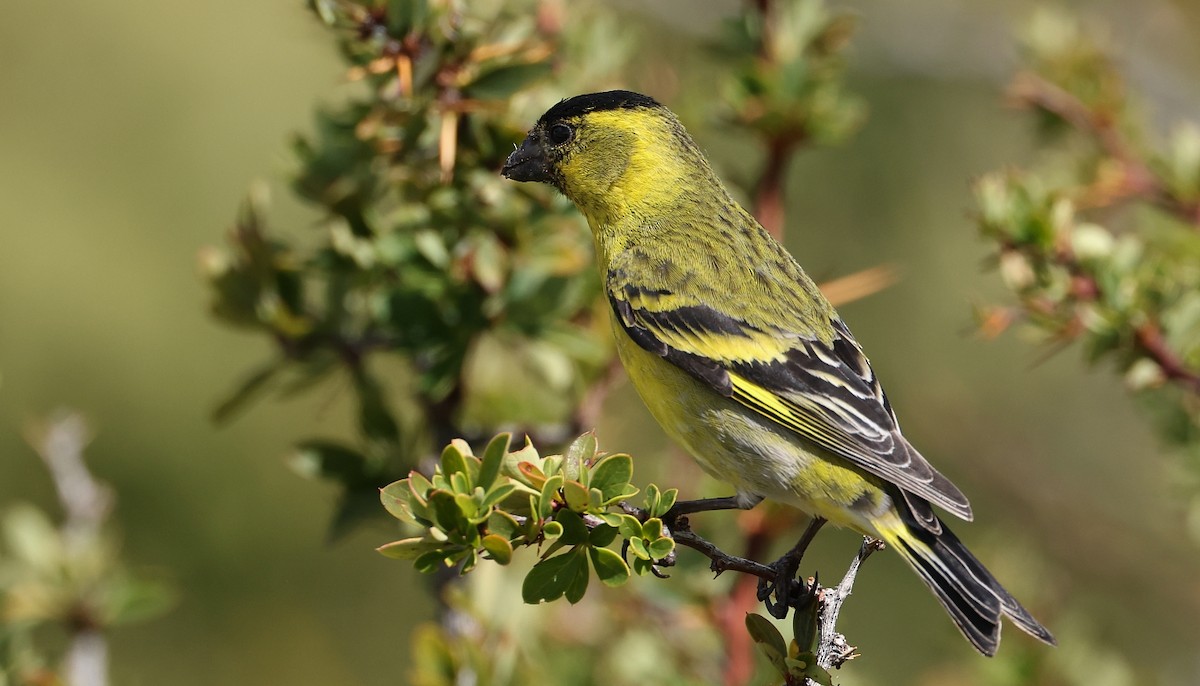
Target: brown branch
x=1148 y=336
x=729 y=613
x=1152 y=343
x=768 y=192
x=1137 y=179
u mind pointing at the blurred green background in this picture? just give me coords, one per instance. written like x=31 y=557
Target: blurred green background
x=129 y=132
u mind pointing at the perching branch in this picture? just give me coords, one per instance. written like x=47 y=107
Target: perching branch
x=832 y=649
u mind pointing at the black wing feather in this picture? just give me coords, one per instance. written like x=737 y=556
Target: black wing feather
x=835 y=381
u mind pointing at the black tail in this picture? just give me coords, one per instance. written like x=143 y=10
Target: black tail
x=973 y=597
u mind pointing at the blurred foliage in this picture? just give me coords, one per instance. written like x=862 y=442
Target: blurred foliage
x=1101 y=242
x=482 y=290
x=785 y=85
x=63 y=587
x=787 y=70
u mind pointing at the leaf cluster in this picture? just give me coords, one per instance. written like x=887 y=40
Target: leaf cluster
x=566 y=506
x=787 y=77
x=480 y=292
x=794 y=660
x=1101 y=243
x=60 y=581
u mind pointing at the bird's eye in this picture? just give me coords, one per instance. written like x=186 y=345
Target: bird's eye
x=561 y=133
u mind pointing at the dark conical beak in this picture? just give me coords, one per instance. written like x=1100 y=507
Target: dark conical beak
x=527 y=163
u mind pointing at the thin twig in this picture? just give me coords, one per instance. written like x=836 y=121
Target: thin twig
x=1150 y=340
x=87 y=504
x=1139 y=179
x=721 y=561
x=832 y=649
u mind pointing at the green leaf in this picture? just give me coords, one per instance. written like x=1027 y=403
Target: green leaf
x=549 y=491
x=497 y=494
x=498 y=547
x=659 y=548
x=805 y=666
x=454 y=462
x=630 y=527
x=642 y=566
x=395 y=497
x=595 y=499
x=602 y=535
x=408 y=548
x=652 y=528
x=550 y=579
x=551 y=530
x=502 y=524
x=460 y=483
x=612 y=474
x=405 y=15
x=469 y=560
x=582 y=450
x=574 y=530
x=576 y=495
x=430 y=562
x=805 y=627
x=493 y=460
x=326 y=10
x=32 y=538
x=489 y=263
x=768 y=639
x=136 y=600
x=467 y=505
x=447 y=514
x=659 y=502
x=432 y=247
x=638 y=546
x=610 y=568
x=419 y=485
x=527 y=454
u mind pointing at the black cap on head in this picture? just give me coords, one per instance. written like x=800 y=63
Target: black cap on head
x=597 y=102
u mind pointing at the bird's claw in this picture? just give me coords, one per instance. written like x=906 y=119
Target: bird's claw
x=787 y=590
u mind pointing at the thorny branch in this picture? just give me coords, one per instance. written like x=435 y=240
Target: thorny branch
x=832 y=649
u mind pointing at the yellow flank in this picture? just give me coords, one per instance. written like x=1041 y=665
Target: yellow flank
x=754 y=455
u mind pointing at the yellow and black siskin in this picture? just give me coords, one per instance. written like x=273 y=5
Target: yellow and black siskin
x=738 y=355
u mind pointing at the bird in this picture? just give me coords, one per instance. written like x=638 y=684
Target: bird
x=738 y=355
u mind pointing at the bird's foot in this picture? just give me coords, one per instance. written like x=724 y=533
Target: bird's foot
x=787 y=590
